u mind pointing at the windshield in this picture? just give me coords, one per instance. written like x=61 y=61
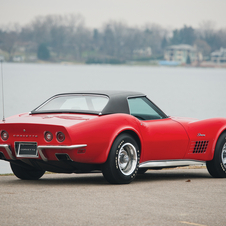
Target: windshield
x=74 y=103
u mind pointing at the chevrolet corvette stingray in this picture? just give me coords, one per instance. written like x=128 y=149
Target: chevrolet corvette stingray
x=120 y=134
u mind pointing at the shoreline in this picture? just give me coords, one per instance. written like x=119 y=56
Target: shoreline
x=204 y=64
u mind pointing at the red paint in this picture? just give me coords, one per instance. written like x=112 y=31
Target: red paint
x=162 y=139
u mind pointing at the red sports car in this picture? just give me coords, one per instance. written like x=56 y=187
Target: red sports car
x=117 y=133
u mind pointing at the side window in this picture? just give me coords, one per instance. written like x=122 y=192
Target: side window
x=144 y=109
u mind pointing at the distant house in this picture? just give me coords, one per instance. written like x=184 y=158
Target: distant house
x=18 y=58
x=182 y=53
x=219 y=56
x=146 y=52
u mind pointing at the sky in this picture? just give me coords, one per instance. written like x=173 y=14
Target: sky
x=167 y=13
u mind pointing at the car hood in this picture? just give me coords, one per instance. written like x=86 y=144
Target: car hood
x=184 y=121
x=64 y=119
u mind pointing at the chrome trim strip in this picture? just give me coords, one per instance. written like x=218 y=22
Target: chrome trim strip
x=8 y=150
x=40 y=148
x=27 y=156
x=169 y=163
x=61 y=147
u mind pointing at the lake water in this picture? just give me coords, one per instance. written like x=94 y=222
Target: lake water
x=189 y=92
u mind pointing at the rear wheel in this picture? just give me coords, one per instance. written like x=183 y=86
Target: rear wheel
x=122 y=164
x=26 y=174
x=142 y=171
x=217 y=166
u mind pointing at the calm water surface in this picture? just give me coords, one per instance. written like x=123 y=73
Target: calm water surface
x=189 y=92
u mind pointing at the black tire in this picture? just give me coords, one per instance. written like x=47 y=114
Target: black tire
x=217 y=166
x=26 y=174
x=122 y=164
x=142 y=171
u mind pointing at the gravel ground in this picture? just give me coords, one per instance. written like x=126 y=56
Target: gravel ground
x=181 y=196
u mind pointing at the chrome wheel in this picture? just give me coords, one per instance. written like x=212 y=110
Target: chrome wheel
x=123 y=161
x=223 y=155
x=127 y=159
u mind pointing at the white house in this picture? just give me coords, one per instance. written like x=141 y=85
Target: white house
x=182 y=53
x=219 y=56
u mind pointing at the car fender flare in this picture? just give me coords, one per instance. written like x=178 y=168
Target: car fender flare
x=132 y=131
x=221 y=130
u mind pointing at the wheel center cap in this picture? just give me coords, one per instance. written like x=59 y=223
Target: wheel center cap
x=125 y=158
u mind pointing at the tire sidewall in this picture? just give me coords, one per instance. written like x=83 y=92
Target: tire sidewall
x=218 y=155
x=114 y=154
x=25 y=174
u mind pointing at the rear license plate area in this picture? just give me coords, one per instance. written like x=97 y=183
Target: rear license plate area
x=26 y=149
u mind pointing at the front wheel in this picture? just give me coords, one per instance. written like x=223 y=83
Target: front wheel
x=217 y=166
x=26 y=174
x=122 y=164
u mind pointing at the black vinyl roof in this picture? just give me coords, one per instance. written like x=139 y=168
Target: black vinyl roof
x=117 y=101
x=111 y=93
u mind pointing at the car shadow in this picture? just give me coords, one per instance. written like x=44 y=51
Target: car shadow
x=63 y=179
x=157 y=175
x=98 y=179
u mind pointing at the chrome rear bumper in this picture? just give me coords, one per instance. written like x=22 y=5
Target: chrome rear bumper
x=8 y=150
x=40 y=149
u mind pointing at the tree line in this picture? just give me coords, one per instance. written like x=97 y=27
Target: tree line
x=66 y=38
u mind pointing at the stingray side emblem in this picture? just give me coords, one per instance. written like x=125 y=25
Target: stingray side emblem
x=201 y=135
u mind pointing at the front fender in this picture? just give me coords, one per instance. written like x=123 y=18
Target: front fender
x=206 y=130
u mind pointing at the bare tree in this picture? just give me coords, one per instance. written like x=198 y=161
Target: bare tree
x=66 y=37
x=153 y=35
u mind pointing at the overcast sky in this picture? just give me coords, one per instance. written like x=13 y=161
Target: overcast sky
x=168 y=13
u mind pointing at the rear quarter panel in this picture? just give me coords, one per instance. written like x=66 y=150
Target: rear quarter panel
x=99 y=135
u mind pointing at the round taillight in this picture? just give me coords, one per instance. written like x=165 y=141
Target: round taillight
x=60 y=136
x=4 y=135
x=48 y=136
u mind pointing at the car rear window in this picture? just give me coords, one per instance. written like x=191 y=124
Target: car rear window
x=86 y=103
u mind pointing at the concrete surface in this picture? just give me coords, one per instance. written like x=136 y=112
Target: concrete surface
x=165 y=197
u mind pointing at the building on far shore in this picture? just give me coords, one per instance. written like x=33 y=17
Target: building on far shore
x=146 y=52
x=183 y=54
x=219 y=56
x=18 y=58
